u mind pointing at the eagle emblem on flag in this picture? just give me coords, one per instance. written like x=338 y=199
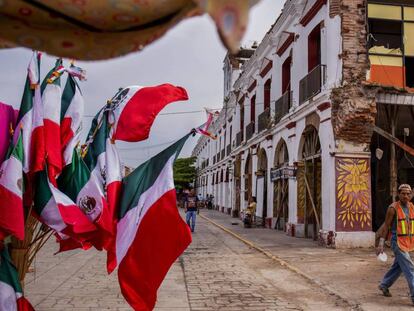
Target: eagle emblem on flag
x=87 y=204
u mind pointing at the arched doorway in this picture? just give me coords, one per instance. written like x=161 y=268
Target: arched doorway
x=248 y=179
x=261 y=187
x=281 y=188
x=309 y=183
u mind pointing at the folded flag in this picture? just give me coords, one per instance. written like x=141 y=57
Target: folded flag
x=85 y=190
x=59 y=212
x=11 y=293
x=70 y=118
x=135 y=109
x=30 y=119
x=11 y=184
x=51 y=99
x=150 y=232
x=104 y=164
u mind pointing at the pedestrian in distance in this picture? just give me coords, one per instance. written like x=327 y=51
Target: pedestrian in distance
x=399 y=220
x=249 y=217
x=190 y=205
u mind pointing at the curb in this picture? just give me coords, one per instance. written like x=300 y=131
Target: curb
x=355 y=306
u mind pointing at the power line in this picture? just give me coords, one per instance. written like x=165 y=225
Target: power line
x=147 y=147
x=198 y=111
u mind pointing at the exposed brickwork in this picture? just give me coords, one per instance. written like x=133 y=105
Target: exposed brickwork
x=353 y=105
x=334 y=8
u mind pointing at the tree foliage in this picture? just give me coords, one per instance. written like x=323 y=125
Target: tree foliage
x=184 y=172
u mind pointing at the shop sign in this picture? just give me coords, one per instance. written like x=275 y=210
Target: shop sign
x=286 y=172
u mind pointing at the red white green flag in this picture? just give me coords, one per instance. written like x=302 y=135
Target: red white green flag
x=150 y=232
x=71 y=118
x=135 y=109
x=11 y=184
x=60 y=213
x=85 y=190
x=11 y=293
x=51 y=99
x=30 y=119
x=103 y=161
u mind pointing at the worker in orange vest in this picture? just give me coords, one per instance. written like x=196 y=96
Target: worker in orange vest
x=400 y=221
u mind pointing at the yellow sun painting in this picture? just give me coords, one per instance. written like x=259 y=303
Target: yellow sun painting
x=353 y=194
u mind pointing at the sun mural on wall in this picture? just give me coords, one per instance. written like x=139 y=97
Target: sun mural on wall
x=353 y=194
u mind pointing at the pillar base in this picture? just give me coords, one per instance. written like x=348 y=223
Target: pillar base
x=355 y=239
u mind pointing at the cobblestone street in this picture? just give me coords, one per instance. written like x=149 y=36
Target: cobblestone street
x=217 y=272
x=223 y=273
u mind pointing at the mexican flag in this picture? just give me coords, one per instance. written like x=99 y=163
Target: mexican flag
x=135 y=109
x=51 y=99
x=59 y=212
x=85 y=190
x=11 y=293
x=150 y=232
x=70 y=118
x=11 y=184
x=103 y=161
x=30 y=119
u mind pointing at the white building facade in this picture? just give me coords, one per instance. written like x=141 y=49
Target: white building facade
x=277 y=139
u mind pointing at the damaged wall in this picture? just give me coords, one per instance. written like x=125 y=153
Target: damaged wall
x=353 y=105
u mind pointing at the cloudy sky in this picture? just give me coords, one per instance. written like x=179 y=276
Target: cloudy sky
x=190 y=55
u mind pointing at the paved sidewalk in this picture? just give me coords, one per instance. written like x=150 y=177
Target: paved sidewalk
x=77 y=281
x=352 y=274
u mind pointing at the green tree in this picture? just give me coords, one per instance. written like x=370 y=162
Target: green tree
x=184 y=172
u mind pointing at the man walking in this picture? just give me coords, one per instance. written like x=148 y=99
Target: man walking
x=400 y=220
x=191 y=209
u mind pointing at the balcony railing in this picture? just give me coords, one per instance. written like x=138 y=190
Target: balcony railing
x=312 y=83
x=282 y=106
x=264 y=120
x=250 y=130
x=223 y=154
x=228 y=149
x=239 y=138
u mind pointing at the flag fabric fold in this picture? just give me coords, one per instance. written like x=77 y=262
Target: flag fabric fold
x=11 y=192
x=51 y=99
x=11 y=293
x=150 y=232
x=30 y=119
x=60 y=213
x=135 y=109
x=70 y=118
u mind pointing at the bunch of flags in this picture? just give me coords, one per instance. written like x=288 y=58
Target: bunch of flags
x=76 y=190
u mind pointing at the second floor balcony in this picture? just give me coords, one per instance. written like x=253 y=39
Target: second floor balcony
x=282 y=106
x=264 y=120
x=312 y=83
x=250 y=130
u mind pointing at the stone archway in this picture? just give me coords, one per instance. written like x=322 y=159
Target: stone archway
x=281 y=188
x=310 y=183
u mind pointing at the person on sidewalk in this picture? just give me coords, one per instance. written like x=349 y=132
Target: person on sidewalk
x=250 y=216
x=190 y=205
x=400 y=220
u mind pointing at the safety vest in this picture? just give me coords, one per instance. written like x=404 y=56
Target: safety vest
x=405 y=227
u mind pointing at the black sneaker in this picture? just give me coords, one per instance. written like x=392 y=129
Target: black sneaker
x=385 y=291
